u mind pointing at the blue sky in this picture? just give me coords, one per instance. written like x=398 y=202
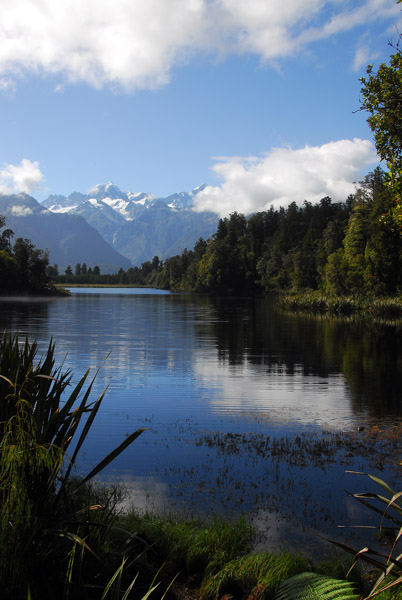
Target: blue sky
x=254 y=98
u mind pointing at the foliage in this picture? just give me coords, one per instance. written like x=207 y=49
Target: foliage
x=381 y=98
x=311 y=586
x=41 y=435
x=192 y=545
x=341 y=249
x=257 y=575
x=389 y=564
x=317 y=302
x=23 y=268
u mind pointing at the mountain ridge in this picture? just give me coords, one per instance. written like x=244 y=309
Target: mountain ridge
x=135 y=225
x=68 y=238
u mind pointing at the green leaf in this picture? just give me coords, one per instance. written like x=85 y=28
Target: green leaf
x=382 y=484
x=311 y=586
x=112 y=455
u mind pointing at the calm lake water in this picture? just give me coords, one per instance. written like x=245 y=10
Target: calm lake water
x=247 y=410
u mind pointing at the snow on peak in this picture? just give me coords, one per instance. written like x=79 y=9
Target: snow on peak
x=106 y=190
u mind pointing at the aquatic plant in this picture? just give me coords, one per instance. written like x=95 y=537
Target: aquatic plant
x=318 y=302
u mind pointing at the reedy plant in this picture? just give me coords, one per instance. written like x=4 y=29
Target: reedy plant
x=388 y=564
x=38 y=425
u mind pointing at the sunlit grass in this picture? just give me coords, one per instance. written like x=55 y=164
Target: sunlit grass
x=259 y=575
x=318 y=302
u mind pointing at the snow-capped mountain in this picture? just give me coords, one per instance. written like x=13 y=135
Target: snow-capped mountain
x=68 y=237
x=128 y=204
x=139 y=225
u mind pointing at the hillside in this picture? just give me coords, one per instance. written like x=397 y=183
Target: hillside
x=68 y=237
x=138 y=225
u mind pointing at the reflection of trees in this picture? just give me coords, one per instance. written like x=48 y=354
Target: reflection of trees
x=17 y=312
x=372 y=365
x=367 y=353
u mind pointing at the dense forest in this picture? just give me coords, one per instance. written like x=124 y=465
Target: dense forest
x=23 y=267
x=351 y=247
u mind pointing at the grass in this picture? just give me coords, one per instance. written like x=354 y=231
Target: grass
x=318 y=302
x=254 y=575
x=214 y=558
x=192 y=546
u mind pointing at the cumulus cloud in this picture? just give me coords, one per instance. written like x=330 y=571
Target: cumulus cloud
x=24 y=177
x=132 y=44
x=285 y=175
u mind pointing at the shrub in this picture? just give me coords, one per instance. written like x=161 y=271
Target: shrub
x=42 y=520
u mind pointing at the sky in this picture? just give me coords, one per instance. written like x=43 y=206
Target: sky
x=257 y=99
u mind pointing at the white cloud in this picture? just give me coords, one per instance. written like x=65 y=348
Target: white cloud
x=24 y=177
x=21 y=211
x=285 y=398
x=132 y=44
x=286 y=175
x=363 y=57
x=7 y=85
x=345 y=20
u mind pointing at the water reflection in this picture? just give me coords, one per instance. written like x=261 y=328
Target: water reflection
x=18 y=314
x=368 y=354
x=192 y=369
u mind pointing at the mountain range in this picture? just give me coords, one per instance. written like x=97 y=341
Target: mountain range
x=108 y=227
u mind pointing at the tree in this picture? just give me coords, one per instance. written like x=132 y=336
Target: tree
x=53 y=272
x=32 y=265
x=382 y=98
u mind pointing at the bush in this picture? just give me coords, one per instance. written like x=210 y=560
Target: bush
x=42 y=520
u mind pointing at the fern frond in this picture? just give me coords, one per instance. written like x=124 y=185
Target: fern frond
x=311 y=586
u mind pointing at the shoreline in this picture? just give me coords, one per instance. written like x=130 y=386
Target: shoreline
x=319 y=303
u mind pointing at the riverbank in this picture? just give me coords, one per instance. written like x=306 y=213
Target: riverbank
x=48 y=292
x=306 y=302
x=99 y=285
x=317 y=302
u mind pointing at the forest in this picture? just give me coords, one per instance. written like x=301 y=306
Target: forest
x=346 y=248
x=23 y=267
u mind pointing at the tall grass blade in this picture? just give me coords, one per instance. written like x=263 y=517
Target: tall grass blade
x=112 y=455
x=116 y=576
x=382 y=484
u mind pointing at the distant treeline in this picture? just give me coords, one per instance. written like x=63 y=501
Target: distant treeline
x=340 y=248
x=23 y=267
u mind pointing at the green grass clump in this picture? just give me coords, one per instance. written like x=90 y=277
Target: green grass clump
x=255 y=575
x=318 y=302
x=198 y=547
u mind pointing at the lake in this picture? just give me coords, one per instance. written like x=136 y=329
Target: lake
x=248 y=410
